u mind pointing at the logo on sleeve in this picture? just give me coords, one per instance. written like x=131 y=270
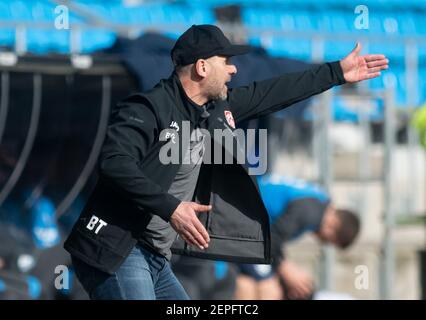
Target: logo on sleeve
x=230 y=119
x=136 y=119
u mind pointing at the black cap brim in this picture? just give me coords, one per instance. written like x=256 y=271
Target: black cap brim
x=234 y=50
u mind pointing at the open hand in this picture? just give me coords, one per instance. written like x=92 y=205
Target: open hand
x=357 y=68
x=186 y=223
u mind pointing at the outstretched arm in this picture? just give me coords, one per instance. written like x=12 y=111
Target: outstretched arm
x=271 y=95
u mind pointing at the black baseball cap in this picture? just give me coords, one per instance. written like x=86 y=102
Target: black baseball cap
x=202 y=42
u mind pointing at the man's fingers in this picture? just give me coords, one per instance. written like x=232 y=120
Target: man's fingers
x=372 y=75
x=301 y=292
x=295 y=294
x=201 y=207
x=188 y=238
x=200 y=228
x=187 y=224
x=377 y=69
x=303 y=288
x=307 y=288
x=201 y=242
x=192 y=239
x=374 y=57
x=377 y=63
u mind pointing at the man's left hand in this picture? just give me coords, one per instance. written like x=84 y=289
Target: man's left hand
x=357 y=68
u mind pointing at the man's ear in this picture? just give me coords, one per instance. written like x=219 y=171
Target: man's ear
x=201 y=67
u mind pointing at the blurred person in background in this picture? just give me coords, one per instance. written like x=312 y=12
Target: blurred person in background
x=295 y=208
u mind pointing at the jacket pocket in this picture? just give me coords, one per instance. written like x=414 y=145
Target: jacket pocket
x=226 y=220
x=237 y=210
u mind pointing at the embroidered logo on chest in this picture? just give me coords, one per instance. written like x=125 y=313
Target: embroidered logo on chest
x=230 y=119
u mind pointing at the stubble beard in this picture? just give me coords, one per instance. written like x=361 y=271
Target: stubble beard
x=216 y=91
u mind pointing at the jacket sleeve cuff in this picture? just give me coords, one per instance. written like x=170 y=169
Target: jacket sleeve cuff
x=169 y=205
x=338 y=72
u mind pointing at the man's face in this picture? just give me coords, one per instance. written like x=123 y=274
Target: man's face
x=329 y=227
x=221 y=71
x=327 y=234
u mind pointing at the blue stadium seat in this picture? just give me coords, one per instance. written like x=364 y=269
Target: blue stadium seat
x=42 y=11
x=393 y=49
x=422 y=85
x=7 y=38
x=397 y=76
x=138 y=15
x=376 y=83
x=7 y=35
x=420 y=23
x=421 y=47
x=407 y=23
x=390 y=24
x=304 y=20
x=279 y=19
x=375 y=25
x=386 y=23
x=173 y=14
x=201 y=16
x=39 y=40
x=342 y=112
x=282 y=20
x=21 y=11
x=5 y=13
x=377 y=4
x=255 y=41
x=289 y=47
x=265 y=18
x=47 y=41
x=336 y=50
x=333 y=21
x=124 y=15
x=93 y=40
x=184 y=15
x=153 y=14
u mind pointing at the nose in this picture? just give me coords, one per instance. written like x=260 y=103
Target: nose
x=232 y=69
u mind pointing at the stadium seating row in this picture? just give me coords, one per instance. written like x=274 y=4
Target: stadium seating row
x=303 y=17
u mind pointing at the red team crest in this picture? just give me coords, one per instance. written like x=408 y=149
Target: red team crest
x=230 y=119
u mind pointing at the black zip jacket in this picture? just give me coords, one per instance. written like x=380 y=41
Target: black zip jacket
x=133 y=182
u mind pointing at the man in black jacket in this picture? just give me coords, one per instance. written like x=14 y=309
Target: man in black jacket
x=146 y=204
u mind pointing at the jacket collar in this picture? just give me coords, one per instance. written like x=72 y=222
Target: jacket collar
x=185 y=105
